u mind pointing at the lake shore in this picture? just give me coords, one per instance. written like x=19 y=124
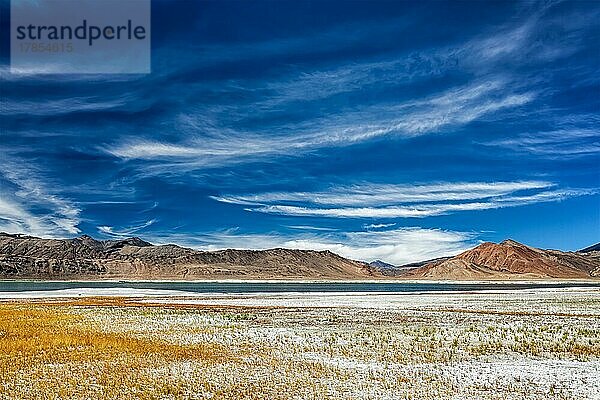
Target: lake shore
x=378 y=281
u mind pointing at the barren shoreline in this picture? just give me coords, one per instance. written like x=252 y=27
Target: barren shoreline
x=378 y=281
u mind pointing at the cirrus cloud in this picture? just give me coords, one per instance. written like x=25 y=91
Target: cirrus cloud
x=404 y=201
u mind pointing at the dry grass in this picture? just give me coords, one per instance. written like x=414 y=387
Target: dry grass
x=49 y=335
x=114 y=348
x=50 y=353
x=53 y=351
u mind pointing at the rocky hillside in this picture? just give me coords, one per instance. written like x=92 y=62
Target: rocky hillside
x=591 y=252
x=510 y=260
x=133 y=258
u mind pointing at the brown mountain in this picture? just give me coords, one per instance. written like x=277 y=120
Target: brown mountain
x=510 y=260
x=133 y=258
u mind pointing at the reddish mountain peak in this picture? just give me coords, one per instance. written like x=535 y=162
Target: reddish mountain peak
x=510 y=242
x=509 y=259
x=498 y=255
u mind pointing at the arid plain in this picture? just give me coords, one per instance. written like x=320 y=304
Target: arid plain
x=511 y=344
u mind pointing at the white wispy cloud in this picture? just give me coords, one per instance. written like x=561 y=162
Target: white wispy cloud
x=378 y=226
x=404 y=201
x=60 y=106
x=457 y=106
x=398 y=246
x=520 y=41
x=60 y=72
x=209 y=138
x=311 y=228
x=27 y=205
x=216 y=142
x=14 y=218
x=421 y=210
x=562 y=143
x=386 y=194
x=125 y=231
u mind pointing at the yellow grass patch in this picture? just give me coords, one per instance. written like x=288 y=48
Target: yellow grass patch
x=46 y=352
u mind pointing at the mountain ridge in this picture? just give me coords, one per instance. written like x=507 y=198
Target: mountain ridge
x=84 y=257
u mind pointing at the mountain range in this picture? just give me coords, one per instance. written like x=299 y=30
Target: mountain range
x=28 y=257
x=133 y=258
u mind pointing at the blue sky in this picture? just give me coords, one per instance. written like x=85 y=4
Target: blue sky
x=399 y=131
